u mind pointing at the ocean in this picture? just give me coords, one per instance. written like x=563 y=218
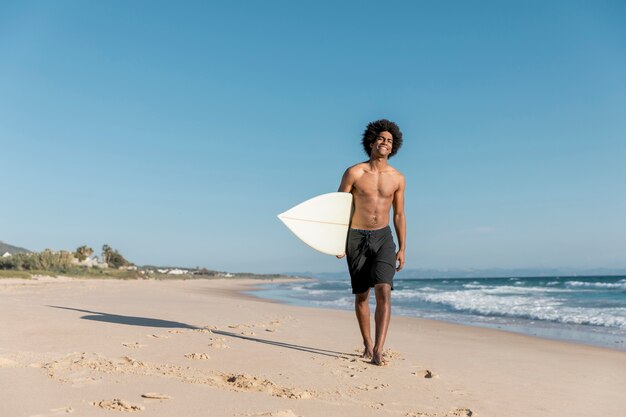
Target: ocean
x=589 y=310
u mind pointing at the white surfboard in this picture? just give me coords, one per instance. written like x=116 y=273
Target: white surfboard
x=321 y=222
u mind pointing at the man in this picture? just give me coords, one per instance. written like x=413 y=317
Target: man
x=371 y=253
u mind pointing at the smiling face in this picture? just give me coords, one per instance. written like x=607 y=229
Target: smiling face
x=382 y=145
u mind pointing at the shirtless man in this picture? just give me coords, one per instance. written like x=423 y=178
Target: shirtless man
x=371 y=253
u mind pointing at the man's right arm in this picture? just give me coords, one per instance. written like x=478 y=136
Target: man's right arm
x=347 y=181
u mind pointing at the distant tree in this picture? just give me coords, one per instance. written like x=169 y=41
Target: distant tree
x=113 y=258
x=83 y=252
x=106 y=251
x=8 y=262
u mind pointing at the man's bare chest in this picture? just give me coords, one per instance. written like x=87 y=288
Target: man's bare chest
x=376 y=185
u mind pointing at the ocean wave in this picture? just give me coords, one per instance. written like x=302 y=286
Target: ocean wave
x=302 y=288
x=318 y=287
x=619 y=284
x=320 y=292
x=342 y=303
x=483 y=289
x=475 y=285
x=507 y=289
x=536 y=308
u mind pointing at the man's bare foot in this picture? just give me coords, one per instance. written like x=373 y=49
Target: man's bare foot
x=367 y=353
x=378 y=359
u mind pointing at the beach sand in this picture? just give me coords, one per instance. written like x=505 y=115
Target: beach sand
x=187 y=348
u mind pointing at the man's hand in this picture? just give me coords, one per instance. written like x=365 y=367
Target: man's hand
x=341 y=256
x=399 y=260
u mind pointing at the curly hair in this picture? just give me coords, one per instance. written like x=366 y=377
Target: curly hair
x=373 y=130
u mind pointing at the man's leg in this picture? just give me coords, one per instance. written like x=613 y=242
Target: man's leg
x=382 y=317
x=362 y=308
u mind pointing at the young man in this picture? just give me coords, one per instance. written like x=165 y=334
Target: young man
x=371 y=253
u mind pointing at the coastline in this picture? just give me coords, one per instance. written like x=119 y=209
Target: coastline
x=81 y=344
x=335 y=294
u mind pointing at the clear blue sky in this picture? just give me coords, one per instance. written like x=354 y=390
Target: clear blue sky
x=176 y=131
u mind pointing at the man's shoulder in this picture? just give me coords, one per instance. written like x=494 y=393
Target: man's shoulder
x=357 y=168
x=394 y=171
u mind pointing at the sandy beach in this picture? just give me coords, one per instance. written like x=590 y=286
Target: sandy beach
x=188 y=348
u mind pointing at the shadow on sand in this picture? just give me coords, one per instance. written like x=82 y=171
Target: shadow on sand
x=150 y=322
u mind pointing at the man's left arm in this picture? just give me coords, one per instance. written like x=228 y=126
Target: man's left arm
x=399 y=222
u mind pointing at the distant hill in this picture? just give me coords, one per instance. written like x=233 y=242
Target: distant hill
x=4 y=247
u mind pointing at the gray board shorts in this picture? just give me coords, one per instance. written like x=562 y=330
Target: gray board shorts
x=371 y=256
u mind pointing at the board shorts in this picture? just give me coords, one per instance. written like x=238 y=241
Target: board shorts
x=371 y=256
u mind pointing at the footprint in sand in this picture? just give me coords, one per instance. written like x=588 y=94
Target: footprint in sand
x=197 y=356
x=133 y=345
x=206 y=330
x=117 y=405
x=242 y=382
x=218 y=343
x=425 y=374
x=368 y=387
x=352 y=366
x=392 y=354
x=158 y=336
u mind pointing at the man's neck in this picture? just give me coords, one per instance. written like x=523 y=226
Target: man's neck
x=378 y=164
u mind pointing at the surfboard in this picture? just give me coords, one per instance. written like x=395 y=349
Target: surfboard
x=321 y=222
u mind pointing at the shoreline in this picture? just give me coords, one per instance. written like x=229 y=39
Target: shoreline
x=542 y=329
x=253 y=287
x=211 y=349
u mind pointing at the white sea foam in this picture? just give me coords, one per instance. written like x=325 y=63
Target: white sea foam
x=409 y=294
x=619 y=284
x=475 y=285
x=342 y=303
x=320 y=292
x=536 y=307
x=499 y=290
x=517 y=289
x=507 y=289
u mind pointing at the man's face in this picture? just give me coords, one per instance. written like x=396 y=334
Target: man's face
x=383 y=144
